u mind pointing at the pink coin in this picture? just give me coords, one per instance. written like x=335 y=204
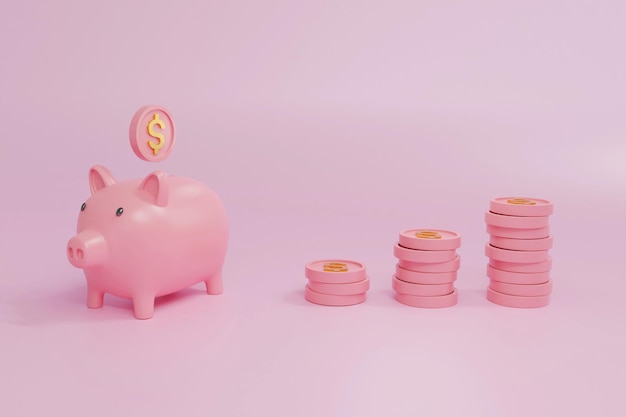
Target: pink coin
x=517 y=301
x=521 y=244
x=517 y=277
x=332 y=300
x=448 y=266
x=521 y=206
x=335 y=271
x=532 y=268
x=523 y=290
x=516 y=256
x=425 y=256
x=428 y=302
x=152 y=133
x=429 y=239
x=423 y=290
x=350 y=288
x=516 y=222
x=507 y=232
x=425 y=277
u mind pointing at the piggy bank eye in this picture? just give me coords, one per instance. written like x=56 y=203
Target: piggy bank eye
x=82 y=207
x=119 y=212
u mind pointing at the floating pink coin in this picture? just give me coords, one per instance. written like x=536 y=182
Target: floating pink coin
x=516 y=256
x=510 y=233
x=516 y=222
x=521 y=206
x=428 y=278
x=448 y=266
x=517 y=301
x=152 y=133
x=335 y=271
x=350 y=288
x=544 y=266
x=425 y=256
x=523 y=290
x=428 y=302
x=429 y=239
x=332 y=300
x=517 y=277
x=423 y=290
x=521 y=244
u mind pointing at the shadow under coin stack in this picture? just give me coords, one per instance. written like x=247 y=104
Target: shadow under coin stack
x=519 y=263
x=427 y=268
x=336 y=283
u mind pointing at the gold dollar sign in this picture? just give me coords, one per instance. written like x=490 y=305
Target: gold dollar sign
x=522 y=201
x=427 y=234
x=156 y=121
x=335 y=267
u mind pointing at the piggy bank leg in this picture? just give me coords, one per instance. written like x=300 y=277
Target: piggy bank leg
x=144 y=306
x=214 y=284
x=94 y=297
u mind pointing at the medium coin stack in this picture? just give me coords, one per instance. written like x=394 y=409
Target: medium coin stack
x=336 y=282
x=519 y=262
x=427 y=268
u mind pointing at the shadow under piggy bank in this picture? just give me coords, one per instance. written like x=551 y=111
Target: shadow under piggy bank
x=38 y=308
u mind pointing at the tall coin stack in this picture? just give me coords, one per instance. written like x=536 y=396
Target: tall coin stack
x=519 y=262
x=427 y=268
x=336 y=282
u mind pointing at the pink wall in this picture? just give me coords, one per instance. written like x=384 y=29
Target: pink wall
x=327 y=127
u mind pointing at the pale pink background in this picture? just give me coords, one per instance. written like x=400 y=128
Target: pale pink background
x=327 y=127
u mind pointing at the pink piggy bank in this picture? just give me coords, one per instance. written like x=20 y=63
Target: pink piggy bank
x=144 y=238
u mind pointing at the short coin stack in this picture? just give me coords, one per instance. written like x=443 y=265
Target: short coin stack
x=336 y=282
x=427 y=268
x=519 y=263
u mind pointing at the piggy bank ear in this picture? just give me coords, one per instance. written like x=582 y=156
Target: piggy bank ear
x=99 y=177
x=157 y=188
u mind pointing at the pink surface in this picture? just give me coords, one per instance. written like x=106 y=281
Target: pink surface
x=326 y=128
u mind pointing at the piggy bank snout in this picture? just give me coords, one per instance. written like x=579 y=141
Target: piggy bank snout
x=88 y=248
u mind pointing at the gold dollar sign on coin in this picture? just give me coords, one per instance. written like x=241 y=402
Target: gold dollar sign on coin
x=156 y=121
x=522 y=201
x=152 y=133
x=427 y=234
x=335 y=267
